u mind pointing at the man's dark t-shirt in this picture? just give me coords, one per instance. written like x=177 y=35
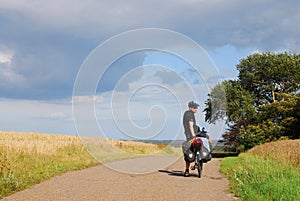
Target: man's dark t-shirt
x=187 y=117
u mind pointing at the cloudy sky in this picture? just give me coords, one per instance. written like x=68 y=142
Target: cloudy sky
x=43 y=45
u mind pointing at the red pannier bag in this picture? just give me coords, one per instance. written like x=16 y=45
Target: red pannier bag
x=197 y=144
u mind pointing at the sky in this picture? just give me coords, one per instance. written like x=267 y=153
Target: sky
x=46 y=46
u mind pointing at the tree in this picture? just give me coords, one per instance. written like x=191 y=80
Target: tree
x=232 y=139
x=229 y=100
x=284 y=113
x=264 y=103
x=240 y=105
x=264 y=74
x=216 y=103
x=260 y=133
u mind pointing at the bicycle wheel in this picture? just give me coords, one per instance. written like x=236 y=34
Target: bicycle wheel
x=199 y=168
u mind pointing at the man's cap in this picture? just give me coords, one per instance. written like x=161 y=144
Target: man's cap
x=193 y=104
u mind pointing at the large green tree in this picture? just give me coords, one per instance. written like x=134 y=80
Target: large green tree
x=264 y=74
x=229 y=100
x=264 y=102
x=284 y=113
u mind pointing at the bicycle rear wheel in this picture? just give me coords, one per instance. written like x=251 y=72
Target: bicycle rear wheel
x=200 y=166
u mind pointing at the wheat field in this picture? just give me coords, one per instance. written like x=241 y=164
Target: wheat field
x=286 y=151
x=35 y=143
x=49 y=144
x=27 y=158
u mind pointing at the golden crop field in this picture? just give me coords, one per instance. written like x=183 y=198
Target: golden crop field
x=287 y=151
x=49 y=144
x=35 y=143
x=28 y=158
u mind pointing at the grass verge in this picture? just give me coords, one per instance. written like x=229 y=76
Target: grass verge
x=263 y=175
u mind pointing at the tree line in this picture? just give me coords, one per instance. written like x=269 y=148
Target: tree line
x=262 y=104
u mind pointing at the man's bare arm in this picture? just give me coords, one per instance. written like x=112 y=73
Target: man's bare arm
x=192 y=128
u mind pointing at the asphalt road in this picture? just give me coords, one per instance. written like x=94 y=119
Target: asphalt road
x=152 y=178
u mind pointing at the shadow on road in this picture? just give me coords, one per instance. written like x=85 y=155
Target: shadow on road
x=177 y=173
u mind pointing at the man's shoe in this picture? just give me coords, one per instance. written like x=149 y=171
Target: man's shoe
x=186 y=173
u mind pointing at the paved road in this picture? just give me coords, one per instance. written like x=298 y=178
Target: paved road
x=160 y=183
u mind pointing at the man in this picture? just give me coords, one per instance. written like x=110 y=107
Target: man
x=189 y=124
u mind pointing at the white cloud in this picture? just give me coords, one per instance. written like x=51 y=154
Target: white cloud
x=87 y=99
x=6 y=55
x=9 y=77
x=56 y=115
x=38 y=116
x=5 y=58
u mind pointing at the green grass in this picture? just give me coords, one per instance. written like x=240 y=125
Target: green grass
x=253 y=177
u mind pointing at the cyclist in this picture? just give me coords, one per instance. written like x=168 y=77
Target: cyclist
x=189 y=124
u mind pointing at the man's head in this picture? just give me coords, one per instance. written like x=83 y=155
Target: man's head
x=193 y=106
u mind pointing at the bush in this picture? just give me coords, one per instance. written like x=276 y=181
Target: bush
x=259 y=134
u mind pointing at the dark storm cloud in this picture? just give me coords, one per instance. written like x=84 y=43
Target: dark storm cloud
x=49 y=40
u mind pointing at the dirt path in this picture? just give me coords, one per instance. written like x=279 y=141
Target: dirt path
x=103 y=183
